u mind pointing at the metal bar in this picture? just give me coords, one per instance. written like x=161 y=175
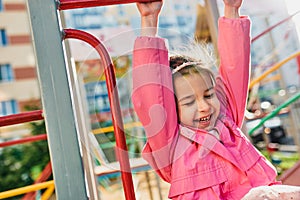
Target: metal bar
x=137 y=164
x=274 y=26
x=157 y=179
x=53 y=75
x=47 y=194
x=275 y=67
x=83 y=126
x=111 y=128
x=23 y=190
x=80 y=109
x=21 y=118
x=149 y=185
x=24 y=140
x=290 y=177
x=121 y=149
x=212 y=12
x=275 y=112
x=44 y=175
x=73 y=4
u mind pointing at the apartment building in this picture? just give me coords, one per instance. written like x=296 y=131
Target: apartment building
x=18 y=78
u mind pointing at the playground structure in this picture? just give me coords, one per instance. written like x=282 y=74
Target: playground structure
x=64 y=110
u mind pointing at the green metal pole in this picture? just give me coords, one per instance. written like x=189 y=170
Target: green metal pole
x=54 y=82
x=275 y=112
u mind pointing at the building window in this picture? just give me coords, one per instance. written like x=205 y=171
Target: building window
x=3 y=37
x=6 y=74
x=1 y=5
x=97 y=97
x=8 y=107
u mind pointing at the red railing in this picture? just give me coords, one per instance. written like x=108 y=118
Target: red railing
x=24 y=140
x=21 y=118
x=121 y=149
x=46 y=173
x=73 y=4
x=274 y=26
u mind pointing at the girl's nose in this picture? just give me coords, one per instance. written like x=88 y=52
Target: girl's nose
x=203 y=106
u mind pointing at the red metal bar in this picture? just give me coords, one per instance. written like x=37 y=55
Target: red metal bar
x=47 y=171
x=21 y=118
x=73 y=4
x=24 y=140
x=291 y=176
x=272 y=27
x=118 y=125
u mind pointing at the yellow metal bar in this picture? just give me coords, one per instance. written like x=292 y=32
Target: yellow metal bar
x=26 y=189
x=276 y=77
x=111 y=128
x=275 y=67
x=47 y=194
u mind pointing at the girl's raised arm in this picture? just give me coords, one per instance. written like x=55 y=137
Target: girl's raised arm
x=232 y=8
x=234 y=51
x=149 y=17
x=153 y=96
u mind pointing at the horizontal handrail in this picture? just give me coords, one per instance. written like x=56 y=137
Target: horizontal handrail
x=114 y=167
x=26 y=189
x=24 y=140
x=44 y=136
x=73 y=4
x=21 y=118
x=111 y=128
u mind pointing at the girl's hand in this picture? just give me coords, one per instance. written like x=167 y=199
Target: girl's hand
x=232 y=8
x=149 y=17
x=233 y=3
x=149 y=9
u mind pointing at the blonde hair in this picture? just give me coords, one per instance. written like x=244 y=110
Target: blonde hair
x=194 y=58
x=200 y=54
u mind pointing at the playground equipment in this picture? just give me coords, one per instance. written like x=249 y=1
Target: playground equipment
x=40 y=184
x=22 y=118
x=285 y=104
x=272 y=69
x=275 y=112
x=274 y=26
x=63 y=109
x=275 y=67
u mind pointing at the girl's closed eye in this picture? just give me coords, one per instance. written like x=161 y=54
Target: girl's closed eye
x=188 y=102
x=210 y=95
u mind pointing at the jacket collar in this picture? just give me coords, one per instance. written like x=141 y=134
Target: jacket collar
x=208 y=141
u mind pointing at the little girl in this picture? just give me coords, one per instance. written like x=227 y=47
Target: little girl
x=192 y=119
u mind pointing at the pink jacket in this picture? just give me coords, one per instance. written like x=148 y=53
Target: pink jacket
x=194 y=162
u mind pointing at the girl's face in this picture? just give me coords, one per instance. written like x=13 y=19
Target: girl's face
x=198 y=105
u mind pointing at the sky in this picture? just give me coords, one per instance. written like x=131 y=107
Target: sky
x=294 y=6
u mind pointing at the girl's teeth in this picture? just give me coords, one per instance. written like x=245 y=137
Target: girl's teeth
x=204 y=119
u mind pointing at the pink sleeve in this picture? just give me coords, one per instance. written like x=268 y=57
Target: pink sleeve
x=153 y=99
x=234 y=50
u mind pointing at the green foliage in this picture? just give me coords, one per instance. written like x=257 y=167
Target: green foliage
x=21 y=164
x=287 y=160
